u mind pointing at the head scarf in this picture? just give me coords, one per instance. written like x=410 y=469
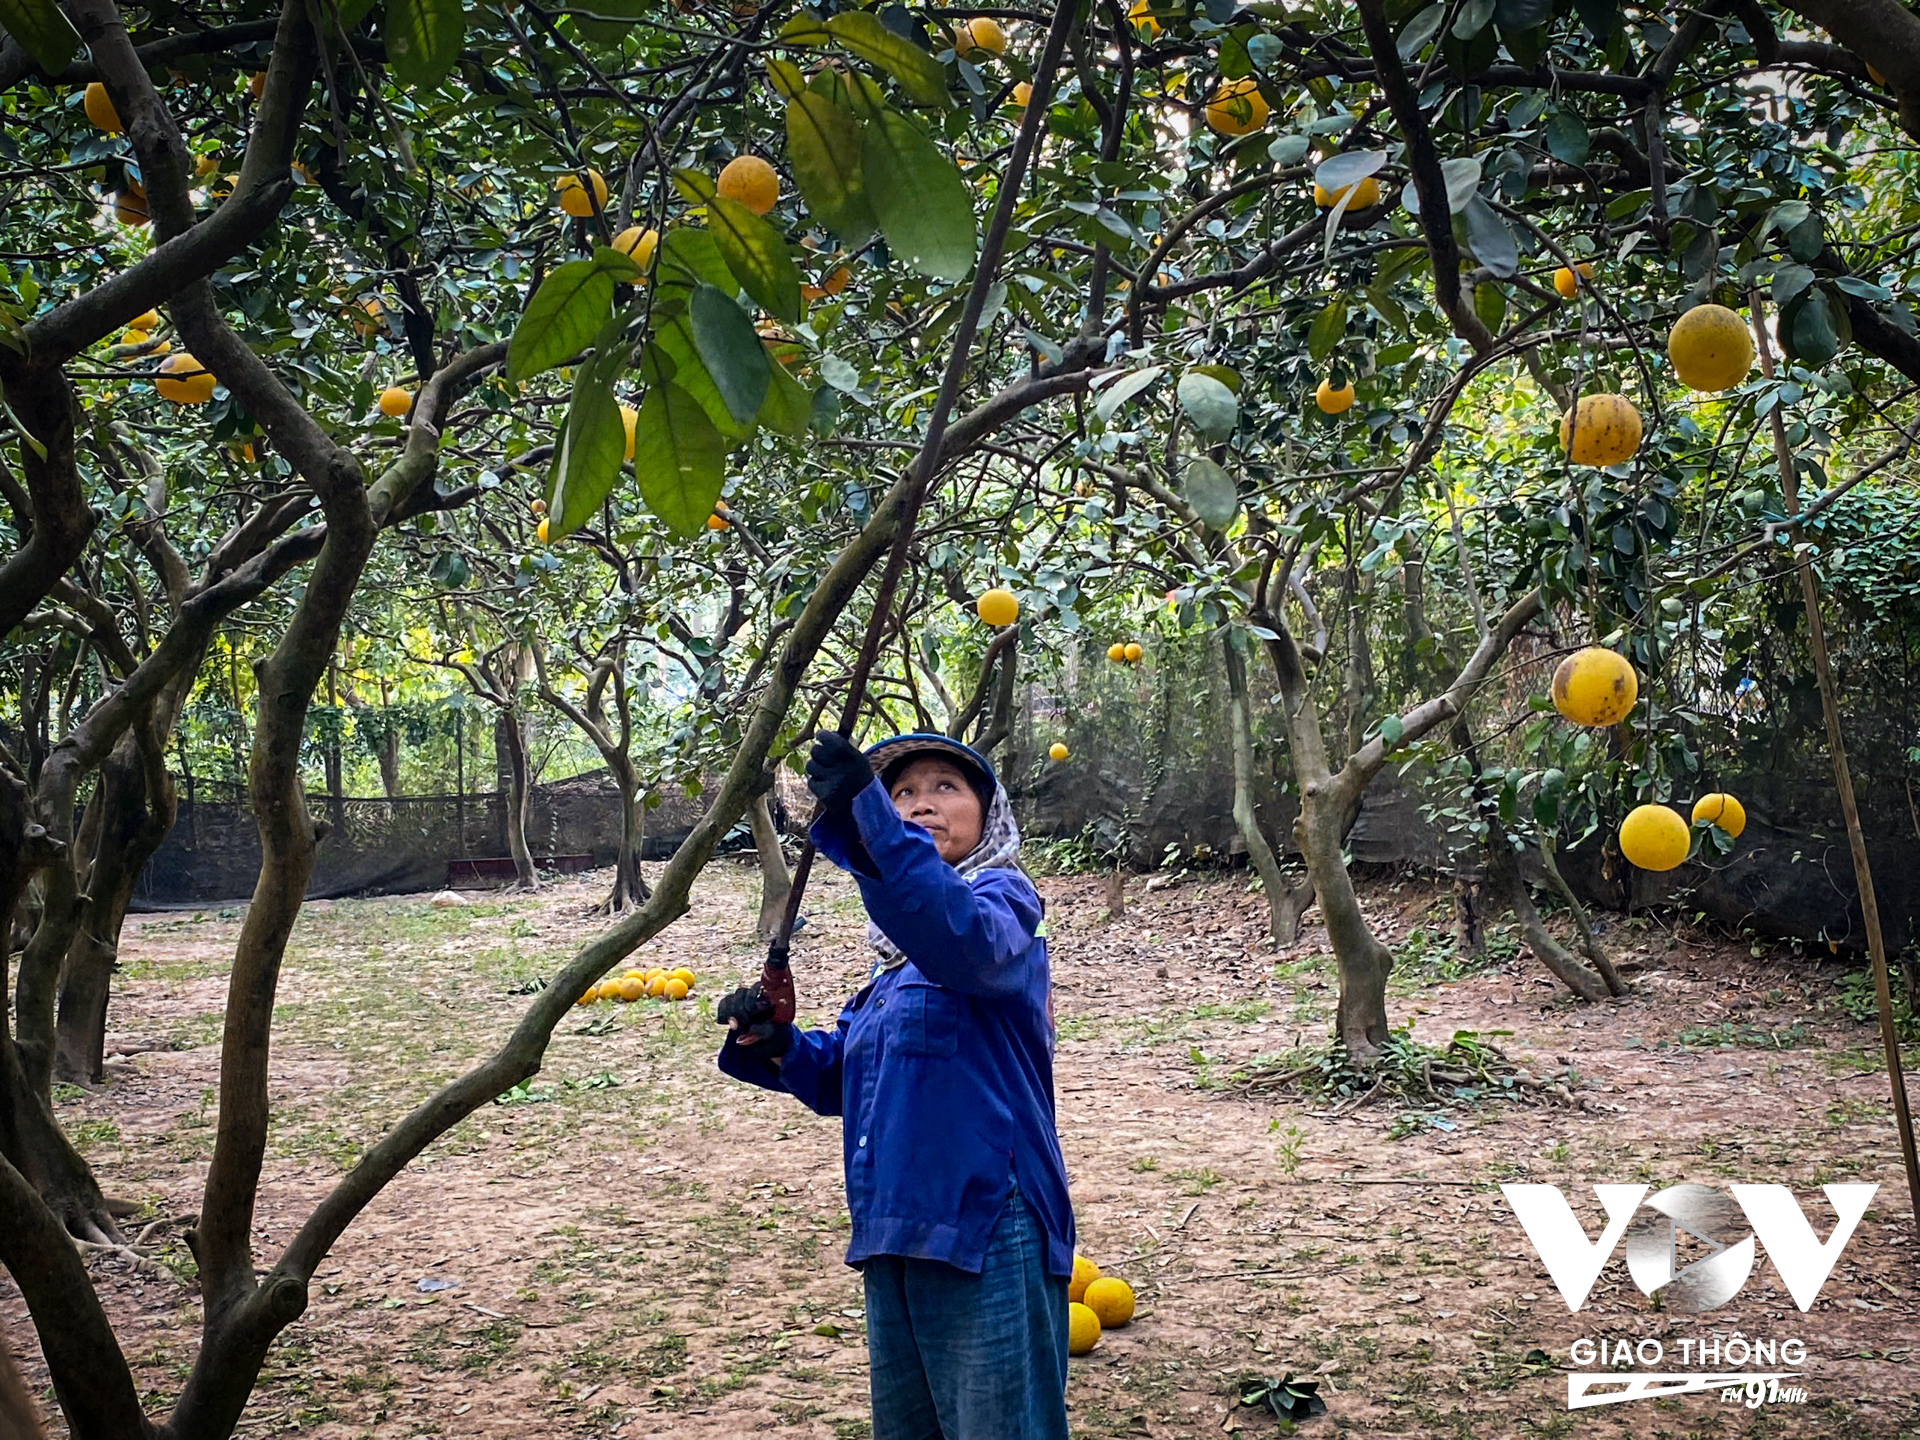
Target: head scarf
x=998 y=849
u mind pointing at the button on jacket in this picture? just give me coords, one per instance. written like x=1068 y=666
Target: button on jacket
x=941 y=1068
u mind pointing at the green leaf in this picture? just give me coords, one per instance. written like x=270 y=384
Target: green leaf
x=566 y=311
x=449 y=570
x=1123 y=390
x=689 y=257
x=919 y=74
x=1209 y=404
x=1328 y=329
x=1490 y=304
x=921 y=202
x=423 y=39
x=1421 y=29
x=1212 y=493
x=823 y=147
x=43 y=31
x=1815 y=341
x=1567 y=137
x=788 y=408
x=679 y=457
x=593 y=446
x=674 y=357
x=731 y=351
x=1391 y=730
x=1492 y=242
x=757 y=256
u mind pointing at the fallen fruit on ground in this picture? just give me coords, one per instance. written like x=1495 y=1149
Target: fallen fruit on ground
x=998 y=607
x=1723 y=810
x=1595 y=686
x=574 y=199
x=1085 y=1272
x=1565 y=282
x=1332 y=401
x=589 y=995
x=676 y=988
x=394 y=402
x=1654 y=837
x=632 y=989
x=1110 y=1298
x=1600 y=430
x=1711 y=348
x=751 y=181
x=1237 y=107
x=184 y=380
x=1083 y=1328
x=1056 y=751
x=684 y=976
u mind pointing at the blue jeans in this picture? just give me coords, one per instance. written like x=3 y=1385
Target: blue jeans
x=955 y=1356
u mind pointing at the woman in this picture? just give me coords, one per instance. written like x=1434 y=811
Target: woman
x=942 y=1069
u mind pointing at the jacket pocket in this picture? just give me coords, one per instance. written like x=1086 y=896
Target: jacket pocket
x=926 y=1019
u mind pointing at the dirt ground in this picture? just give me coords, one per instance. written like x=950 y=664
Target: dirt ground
x=636 y=1247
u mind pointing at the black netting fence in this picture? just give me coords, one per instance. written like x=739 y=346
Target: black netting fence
x=400 y=845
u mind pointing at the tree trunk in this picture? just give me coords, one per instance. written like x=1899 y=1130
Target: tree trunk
x=515 y=794
x=129 y=826
x=1328 y=804
x=629 y=884
x=1469 y=935
x=1286 y=902
x=1589 y=942
x=19 y=1416
x=775 y=881
x=390 y=761
x=1505 y=879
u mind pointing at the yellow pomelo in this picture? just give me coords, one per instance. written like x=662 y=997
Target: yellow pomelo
x=1366 y=195
x=1135 y=650
x=134 y=337
x=639 y=242
x=751 y=181
x=589 y=995
x=1110 y=1298
x=394 y=402
x=540 y=532
x=148 y=320
x=1056 y=751
x=1721 y=809
x=657 y=987
x=1595 y=686
x=1566 y=284
x=99 y=108
x=1083 y=1329
x=1711 y=348
x=184 y=380
x=998 y=607
x=1021 y=93
x=1085 y=1272
x=1237 y=107
x=684 y=976
x=979 y=38
x=1332 y=401
x=1116 y=652
x=1654 y=837
x=1600 y=430
x=632 y=989
x=573 y=195
x=130 y=207
x=676 y=988
x=1141 y=15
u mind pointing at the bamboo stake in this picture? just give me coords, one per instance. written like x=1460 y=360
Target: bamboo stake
x=1842 y=776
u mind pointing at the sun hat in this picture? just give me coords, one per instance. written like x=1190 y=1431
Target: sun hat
x=888 y=756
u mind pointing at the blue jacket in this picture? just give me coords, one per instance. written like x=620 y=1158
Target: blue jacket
x=941 y=1068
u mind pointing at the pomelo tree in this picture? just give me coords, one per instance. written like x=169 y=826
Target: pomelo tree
x=818 y=252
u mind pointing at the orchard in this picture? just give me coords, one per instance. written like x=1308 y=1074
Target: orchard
x=1244 y=428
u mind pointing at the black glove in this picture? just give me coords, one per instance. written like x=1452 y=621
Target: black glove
x=837 y=771
x=753 y=1018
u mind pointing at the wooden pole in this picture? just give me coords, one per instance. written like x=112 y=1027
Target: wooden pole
x=1842 y=777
